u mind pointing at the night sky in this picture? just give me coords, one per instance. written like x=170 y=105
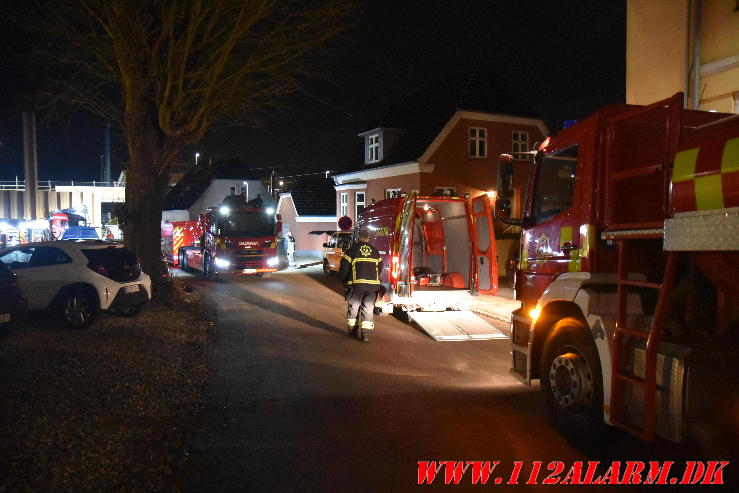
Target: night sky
x=564 y=58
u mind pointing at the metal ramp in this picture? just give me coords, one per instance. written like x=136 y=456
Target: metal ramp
x=455 y=326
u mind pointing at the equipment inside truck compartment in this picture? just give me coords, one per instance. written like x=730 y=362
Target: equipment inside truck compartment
x=441 y=246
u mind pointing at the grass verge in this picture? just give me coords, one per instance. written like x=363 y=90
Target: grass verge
x=107 y=408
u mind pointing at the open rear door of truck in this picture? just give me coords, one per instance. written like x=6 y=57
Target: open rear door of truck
x=485 y=254
x=401 y=260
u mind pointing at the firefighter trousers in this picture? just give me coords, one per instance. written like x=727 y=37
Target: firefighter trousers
x=361 y=302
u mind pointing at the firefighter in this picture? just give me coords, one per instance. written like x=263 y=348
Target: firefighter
x=360 y=272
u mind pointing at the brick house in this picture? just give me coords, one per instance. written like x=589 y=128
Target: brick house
x=446 y=137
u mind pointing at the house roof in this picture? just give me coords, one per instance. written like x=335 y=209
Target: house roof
x=424 y=112
x=314 y=196
x=197 y=180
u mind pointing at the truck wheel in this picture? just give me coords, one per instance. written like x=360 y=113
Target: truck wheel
x=326 y=268
x=571 y=379
x=207 y=268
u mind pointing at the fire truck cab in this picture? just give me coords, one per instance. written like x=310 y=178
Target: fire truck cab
x=629 y=260
x=233 y=238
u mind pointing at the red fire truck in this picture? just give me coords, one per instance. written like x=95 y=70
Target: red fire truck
x=234 y=238
x=628 y=270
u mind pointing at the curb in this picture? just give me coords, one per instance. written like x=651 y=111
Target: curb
x=303 y=266
x=493 y=315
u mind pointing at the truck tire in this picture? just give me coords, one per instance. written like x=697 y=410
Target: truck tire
x=207 y=267
x=571 y=380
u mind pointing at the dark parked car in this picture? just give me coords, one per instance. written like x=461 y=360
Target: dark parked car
x=11 y=301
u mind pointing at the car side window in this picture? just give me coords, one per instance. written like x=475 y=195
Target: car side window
x=332 y=241
x=46 y=256
x=18 y=258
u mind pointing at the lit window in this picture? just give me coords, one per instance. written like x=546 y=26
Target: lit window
x=520 y=144
x=344 y=203
x=373 y=148
x=358 y=203
x=392 y=193
x=478 y=142
x=445 y=192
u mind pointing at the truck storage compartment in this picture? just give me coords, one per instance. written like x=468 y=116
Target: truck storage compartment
x=440 y=256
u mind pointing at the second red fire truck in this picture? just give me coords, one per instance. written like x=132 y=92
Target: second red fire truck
x=233 y=238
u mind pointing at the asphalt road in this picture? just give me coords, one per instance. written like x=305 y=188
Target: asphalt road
x=294 y=404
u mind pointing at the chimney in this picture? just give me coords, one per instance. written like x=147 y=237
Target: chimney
x=30 y=165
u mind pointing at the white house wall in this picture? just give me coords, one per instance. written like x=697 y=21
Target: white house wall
x=62 y=197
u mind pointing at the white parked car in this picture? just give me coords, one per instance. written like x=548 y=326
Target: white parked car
x=76 y=278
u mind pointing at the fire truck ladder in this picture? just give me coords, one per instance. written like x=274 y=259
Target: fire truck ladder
x=619 y=377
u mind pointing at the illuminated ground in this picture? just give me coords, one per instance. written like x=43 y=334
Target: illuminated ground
x=294 y=404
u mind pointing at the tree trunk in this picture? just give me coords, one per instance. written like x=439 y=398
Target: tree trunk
x=145 y=189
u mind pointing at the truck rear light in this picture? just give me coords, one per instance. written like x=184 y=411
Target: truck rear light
x=395 y=268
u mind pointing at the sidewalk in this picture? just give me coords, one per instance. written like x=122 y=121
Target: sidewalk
x=496 y=307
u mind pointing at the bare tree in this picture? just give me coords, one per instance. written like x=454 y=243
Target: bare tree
x=168 y=70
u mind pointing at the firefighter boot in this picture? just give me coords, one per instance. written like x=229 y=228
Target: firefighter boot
x=351 y=326
x=366 y=331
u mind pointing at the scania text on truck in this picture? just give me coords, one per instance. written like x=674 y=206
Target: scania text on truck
x=628 y=271
x=235 y=238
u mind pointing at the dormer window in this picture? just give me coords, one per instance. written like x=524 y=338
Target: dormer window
x=373 y=148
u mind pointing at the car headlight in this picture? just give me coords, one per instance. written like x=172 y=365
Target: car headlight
x=272 y=261
x=222 y=263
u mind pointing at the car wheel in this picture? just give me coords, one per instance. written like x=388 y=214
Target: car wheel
x=326 y=268
x=78 y=309
x=571 y=380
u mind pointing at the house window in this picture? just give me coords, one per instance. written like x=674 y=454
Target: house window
x=243 y=191
x=520 y=144
x=478 y=142
x=358 y=203
x=392 y=193
x=344 y=203
x=233 y=190
x=445 y=192
x=373 y=148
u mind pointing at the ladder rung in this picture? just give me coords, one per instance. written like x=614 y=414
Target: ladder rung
x=641 y=284
x=630 y=379
x=633 y=332
x=638 y=433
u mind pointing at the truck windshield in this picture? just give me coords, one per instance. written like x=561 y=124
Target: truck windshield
x=555 y=184
x=252 y=224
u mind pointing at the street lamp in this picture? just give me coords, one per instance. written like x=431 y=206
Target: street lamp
x=246 y=197
x=197 y=155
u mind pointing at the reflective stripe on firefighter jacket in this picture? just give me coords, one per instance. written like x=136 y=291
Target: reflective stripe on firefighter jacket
x=361 y=264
